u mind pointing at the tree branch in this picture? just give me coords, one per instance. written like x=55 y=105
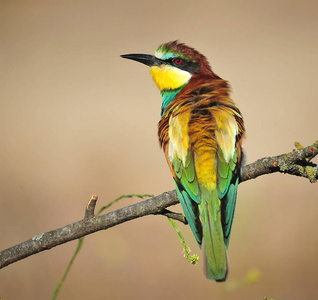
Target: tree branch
x=297 y=162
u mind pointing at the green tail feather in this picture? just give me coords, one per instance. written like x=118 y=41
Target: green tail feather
x=213 y=242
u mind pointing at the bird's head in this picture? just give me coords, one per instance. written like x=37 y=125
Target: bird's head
x=173 y=65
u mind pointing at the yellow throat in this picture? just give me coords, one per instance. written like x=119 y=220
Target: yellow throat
x=169 y=78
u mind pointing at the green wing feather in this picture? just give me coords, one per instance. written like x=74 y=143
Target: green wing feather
x=227 y=190
x=228 y=213
x=188 y=192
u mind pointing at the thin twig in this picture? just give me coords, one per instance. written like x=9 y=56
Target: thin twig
x=173 y=215
x=78 y=248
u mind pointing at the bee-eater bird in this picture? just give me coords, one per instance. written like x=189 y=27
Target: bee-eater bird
x=200 y=132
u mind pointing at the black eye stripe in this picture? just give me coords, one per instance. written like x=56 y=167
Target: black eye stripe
x=185 y=65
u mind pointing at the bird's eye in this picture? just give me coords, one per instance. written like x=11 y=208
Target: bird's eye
x=178 y=61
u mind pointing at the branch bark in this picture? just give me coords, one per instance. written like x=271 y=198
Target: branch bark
x=298 y=163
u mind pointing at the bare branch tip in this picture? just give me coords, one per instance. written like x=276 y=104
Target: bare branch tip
x=94 y=197
x=90 y=208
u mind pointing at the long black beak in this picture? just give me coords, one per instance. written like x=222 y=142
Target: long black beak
x=146 y=59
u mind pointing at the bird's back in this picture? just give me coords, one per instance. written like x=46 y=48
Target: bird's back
x=201 y=134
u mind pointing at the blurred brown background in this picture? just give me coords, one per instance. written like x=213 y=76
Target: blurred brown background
x=77 y=120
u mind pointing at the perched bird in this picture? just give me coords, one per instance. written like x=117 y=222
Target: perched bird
x=200 y=132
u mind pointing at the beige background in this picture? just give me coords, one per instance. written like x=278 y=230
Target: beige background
x=77 y=120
